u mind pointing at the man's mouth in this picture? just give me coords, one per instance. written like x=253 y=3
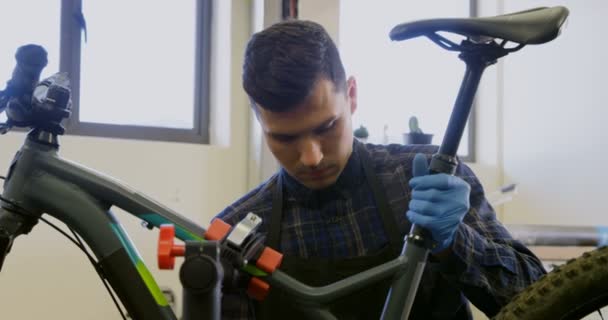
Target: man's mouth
x=318 y=173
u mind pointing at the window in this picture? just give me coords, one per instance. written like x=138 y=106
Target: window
x=397 y=80
x=133 y=63
x=141 y=72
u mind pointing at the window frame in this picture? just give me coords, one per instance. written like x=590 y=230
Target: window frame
x=70 y=52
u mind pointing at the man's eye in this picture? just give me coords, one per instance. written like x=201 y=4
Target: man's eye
x=284 y=138
x=326 y=128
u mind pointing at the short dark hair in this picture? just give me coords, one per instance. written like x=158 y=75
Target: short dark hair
x=284 y=61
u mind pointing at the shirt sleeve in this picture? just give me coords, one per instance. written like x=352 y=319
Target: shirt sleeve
x=485 y=262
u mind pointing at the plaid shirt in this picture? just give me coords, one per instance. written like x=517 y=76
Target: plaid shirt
x=486 y=264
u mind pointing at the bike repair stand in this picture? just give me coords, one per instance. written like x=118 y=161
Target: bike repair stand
x=213 y=266
x=477 y=53
x=201 y=276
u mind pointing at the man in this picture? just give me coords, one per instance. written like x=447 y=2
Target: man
x=338 y=207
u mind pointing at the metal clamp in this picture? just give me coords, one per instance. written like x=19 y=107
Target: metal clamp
x=244 y=229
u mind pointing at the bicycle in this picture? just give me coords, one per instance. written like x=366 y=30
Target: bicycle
x=40 y=182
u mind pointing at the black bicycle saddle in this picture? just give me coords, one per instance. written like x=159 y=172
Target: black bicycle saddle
x=534 y=26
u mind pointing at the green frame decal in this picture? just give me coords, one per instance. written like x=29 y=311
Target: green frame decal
x=139 y=264
x=181 y=233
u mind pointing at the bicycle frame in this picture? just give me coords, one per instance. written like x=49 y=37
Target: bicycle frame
x=39 y=181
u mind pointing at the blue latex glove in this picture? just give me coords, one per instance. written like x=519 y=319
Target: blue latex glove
x=439 y=202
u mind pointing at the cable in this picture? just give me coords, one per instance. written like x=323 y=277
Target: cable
x=78 y=243
x=99 y=272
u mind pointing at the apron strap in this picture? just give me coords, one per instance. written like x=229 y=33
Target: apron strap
x=276 y=215
x=386 y=213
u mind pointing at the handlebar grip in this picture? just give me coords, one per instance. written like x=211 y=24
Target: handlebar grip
x=31 y=59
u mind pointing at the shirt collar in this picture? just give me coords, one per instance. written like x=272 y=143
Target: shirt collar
x=351 y=176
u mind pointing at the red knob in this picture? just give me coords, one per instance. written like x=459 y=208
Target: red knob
x=258 y=289
x=217 y=230
x=269 y=260
x=167 y=250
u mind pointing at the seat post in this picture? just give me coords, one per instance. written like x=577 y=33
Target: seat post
x=477 y=56
x=418 y=242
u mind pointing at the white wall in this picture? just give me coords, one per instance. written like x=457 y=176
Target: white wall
x=542 y=117
x=549 y=115
x=46 y=277
x=555 y=122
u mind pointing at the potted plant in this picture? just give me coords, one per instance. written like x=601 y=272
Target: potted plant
x=416 y=136
x=361 y=134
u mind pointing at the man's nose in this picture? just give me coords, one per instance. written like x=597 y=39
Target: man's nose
x=310 y=152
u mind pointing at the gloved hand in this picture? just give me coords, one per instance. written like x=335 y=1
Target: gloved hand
x=439 y=202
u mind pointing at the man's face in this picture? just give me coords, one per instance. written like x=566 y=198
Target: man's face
x=314 y=140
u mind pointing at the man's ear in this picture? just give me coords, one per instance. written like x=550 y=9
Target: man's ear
x=351 y=93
